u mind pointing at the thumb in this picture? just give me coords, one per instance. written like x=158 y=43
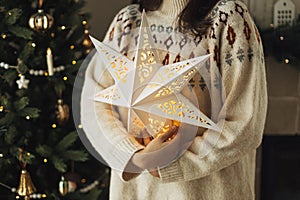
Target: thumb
x=168 y=134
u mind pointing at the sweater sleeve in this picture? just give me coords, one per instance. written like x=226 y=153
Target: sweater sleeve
x=243 y=74
x=100 y=121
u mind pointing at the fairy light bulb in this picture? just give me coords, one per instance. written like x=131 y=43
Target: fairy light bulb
x=84 y=22
x=287 y=61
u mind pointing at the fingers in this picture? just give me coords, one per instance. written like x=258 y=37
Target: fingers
x=146 y=140
x=154 y=173
x=146 y=136
x=168 y=134
x=140 y=140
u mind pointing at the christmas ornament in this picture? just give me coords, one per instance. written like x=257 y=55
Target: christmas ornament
x=73 y=179
x=49 y=59
x=62 y=112
x=145 y=86
x=32 y=196
x=22 y=82
x=63 y=186
x=26 y=187
x=40 y=21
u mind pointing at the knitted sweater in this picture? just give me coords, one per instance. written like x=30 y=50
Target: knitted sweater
x=227 y=171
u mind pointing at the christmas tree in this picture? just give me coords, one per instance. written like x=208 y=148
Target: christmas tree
x=42 y=46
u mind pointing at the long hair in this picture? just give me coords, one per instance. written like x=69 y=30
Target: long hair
x=194 y=17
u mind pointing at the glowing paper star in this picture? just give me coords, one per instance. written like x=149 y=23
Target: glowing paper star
x=148 y=86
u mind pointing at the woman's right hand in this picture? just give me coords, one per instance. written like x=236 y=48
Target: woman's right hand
x=160 y=152
x=155 y=153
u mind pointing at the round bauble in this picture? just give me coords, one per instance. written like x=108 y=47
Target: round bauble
x=40 y=21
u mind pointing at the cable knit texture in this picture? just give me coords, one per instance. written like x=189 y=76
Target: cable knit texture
x=228 y=170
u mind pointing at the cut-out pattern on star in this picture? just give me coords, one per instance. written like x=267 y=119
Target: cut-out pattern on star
x=145 y=85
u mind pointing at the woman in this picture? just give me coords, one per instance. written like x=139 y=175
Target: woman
x=226 y=30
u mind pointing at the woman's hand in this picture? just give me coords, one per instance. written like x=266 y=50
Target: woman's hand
x=158 y=142
x=156 y=153
x=150 y=157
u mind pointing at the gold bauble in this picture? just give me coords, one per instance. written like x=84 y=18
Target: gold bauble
x=62 y=112
x=26 y=187
x=86 y=42
x=40 y=21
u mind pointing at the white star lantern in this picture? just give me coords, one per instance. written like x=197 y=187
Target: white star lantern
x=146 y=86
x=22 y=82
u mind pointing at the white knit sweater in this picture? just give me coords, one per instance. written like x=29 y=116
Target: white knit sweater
x=227 y=171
